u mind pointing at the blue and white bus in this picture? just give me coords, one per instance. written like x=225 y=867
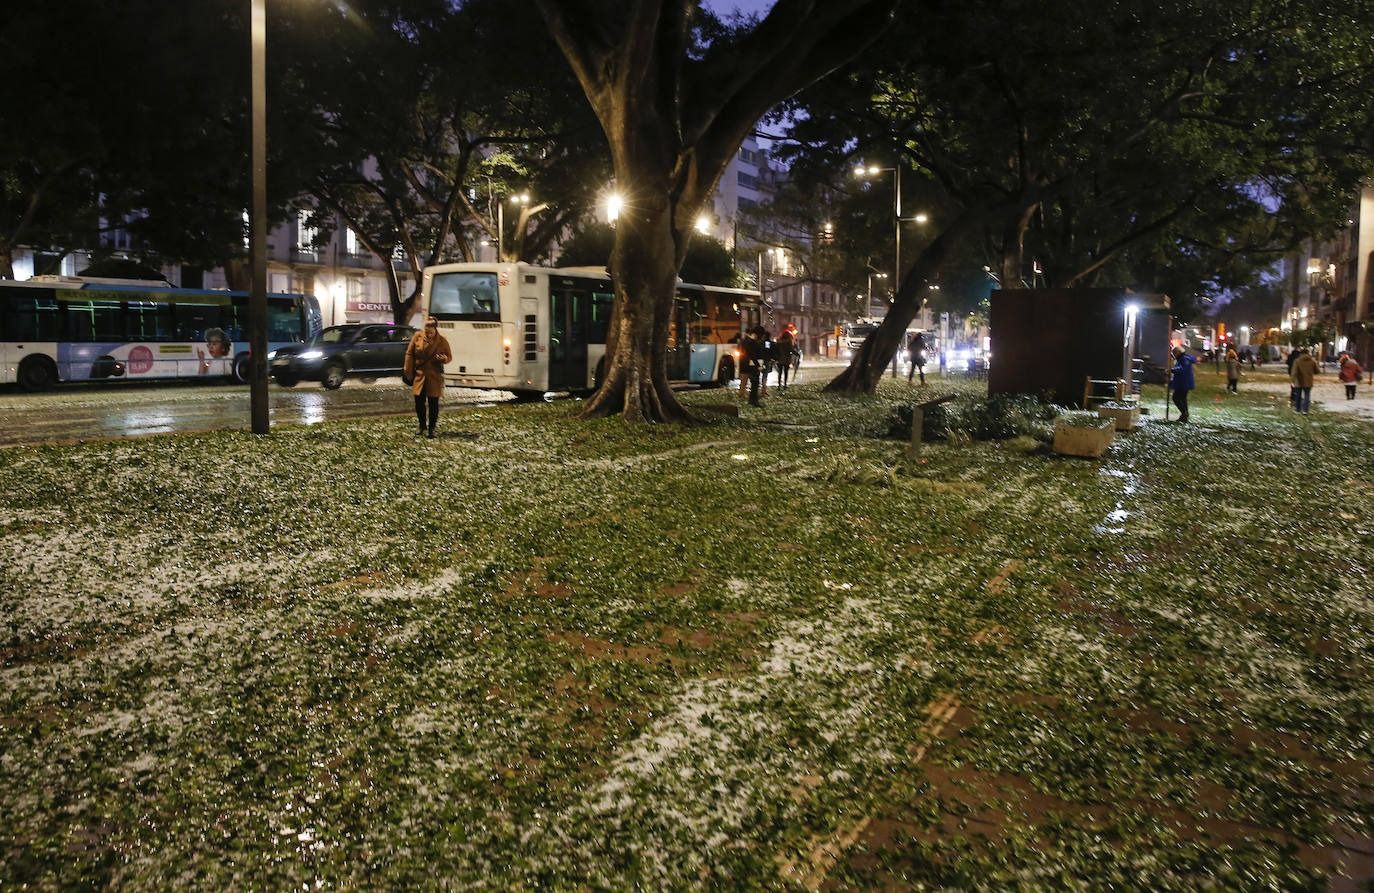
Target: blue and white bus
x=531 y=330
x=66 y=329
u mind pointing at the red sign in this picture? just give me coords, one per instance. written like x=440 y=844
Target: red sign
x=140 y=360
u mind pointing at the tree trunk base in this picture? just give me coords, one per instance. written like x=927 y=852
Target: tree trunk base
x=636 y=397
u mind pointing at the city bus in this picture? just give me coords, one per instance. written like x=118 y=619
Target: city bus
x=70 y=329
x=531 y=330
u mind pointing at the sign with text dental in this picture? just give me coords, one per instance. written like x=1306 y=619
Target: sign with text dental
x=368 y=307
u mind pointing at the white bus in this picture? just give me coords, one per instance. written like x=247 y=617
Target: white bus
x=532 y=330
x=72 y=329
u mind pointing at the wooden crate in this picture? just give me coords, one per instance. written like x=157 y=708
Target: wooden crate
x=1088 y=441
x=1125 y=417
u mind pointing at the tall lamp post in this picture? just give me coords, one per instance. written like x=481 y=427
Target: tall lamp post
x=521 y=199
x=257 y=226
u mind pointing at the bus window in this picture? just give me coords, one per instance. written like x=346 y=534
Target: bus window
x=602 y=304
x=31 y=315
x=472 y=296
x=283 y=321
x=150 y=321
x=95 y=320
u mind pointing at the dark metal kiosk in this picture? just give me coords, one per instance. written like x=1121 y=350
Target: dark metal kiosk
x=1073 y=346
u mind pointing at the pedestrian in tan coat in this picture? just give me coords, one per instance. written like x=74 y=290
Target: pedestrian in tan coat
x=426 y=355
x=1304 y=374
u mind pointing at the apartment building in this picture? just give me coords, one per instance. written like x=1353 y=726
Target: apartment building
x=1333 y=281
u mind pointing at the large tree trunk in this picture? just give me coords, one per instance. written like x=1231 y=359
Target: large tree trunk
x=673 y=120
x=645 y=262
x=876 y=353
x=1013 y=248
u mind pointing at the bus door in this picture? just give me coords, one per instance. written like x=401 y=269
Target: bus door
x=679 y=353
x=570 y=312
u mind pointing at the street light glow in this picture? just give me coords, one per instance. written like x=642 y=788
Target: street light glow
x=613 y=205
x=920 y=218
x=703 y=225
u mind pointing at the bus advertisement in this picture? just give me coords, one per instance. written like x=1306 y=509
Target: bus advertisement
x=533 y=330
x=66 y=329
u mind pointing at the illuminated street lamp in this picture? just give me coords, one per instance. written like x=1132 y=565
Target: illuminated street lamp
x=614 y=203
x=868 y=172
x=522 y=200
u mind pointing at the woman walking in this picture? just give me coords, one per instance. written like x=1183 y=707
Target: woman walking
x=1349 y=375
x=1232 y=370
x=426 y=355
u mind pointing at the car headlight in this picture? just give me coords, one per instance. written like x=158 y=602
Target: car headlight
x=271 y=355
x=311 y=355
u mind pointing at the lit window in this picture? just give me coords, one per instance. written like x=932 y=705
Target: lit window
x=307 y=234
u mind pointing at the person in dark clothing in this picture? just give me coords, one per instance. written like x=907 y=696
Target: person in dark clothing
x=783 y=349
x=1181 y=380
x=917 y=351
x=752 y=360
x=1292 y=388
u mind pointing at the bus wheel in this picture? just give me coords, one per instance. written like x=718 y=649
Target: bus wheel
x=243 y=369
x=726 y=374
x=37 y=374
x=528 y=396
x=333 y=376
x=599 y=377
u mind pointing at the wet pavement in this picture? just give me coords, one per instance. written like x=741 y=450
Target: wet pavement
x=95 y=411
x=72 y=412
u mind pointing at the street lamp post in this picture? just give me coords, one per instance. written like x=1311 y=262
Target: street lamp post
x=521 y=199
x=257 y=226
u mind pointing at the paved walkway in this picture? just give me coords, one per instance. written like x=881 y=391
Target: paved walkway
x=1328 y=393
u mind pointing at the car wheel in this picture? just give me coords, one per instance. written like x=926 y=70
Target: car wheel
x=37 y=374
x=333 y=376
x=286 y=379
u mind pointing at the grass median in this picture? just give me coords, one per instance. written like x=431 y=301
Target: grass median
x=767 y=652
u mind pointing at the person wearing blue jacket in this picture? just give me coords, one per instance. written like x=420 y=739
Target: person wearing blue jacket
x=1181 y=380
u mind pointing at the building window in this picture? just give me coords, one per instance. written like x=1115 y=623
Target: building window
x=747 y=180
x=351 y=243
x=306 y=234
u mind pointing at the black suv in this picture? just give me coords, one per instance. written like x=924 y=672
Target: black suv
x=366 y=350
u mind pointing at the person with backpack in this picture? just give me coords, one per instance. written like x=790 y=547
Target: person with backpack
x=1349 y=374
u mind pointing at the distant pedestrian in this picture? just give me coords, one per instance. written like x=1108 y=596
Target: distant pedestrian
x=766 y=358
x=1181 y=380
x=786 y=343
x=1303 y=377
x=917 y=350
x=1232 y=370
x=426 y=355
x=1349 y=375
x=1292 y=388
x=751 y=360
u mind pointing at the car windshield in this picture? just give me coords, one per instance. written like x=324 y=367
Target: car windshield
x=335 y=335
x=860 y=329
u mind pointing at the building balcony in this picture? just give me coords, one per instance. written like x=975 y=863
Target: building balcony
x=362 y=260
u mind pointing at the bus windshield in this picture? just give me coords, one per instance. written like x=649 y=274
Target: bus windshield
x=465 y=295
